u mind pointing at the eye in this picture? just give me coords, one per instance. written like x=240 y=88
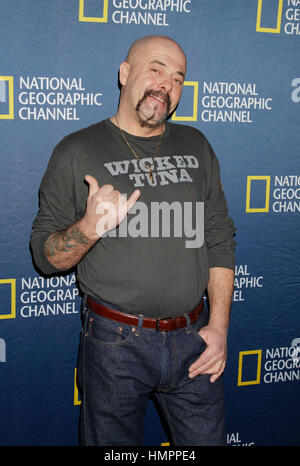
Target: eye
x=155 y=70
x=178 y=81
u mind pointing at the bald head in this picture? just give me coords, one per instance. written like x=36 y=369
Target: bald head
x=151 y=78
x=150 y=41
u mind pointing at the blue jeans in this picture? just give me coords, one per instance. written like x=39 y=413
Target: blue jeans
x=120 y=366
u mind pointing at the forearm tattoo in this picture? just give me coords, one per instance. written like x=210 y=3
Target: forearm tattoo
x=65 y=241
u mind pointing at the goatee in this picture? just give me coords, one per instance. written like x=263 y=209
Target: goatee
x=147 y=122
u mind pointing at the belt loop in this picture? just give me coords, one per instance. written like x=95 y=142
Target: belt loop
x=84 y=316
x=188 y=323
x=140 y=324
x=141 y=319
x=83 y=304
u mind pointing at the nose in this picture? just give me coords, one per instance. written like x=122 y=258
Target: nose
x=166 y=84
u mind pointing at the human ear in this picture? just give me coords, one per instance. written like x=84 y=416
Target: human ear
x=124 y=72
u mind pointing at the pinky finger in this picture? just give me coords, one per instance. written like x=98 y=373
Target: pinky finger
x=133 y=198
x=215 y=376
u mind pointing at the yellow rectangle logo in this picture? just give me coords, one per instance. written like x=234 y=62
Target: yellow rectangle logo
x=92 y=19
x=77 y=401
x=265 y=178
x=194 y=116
x=10 y=114
x=258 y=368
x=276 y=29
x=12 y=283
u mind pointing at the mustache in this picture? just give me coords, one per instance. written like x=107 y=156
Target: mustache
x=163 y=95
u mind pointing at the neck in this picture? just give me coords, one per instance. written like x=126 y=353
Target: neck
x=134 y=127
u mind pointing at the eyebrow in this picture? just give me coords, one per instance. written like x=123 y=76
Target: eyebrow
x=163 y=64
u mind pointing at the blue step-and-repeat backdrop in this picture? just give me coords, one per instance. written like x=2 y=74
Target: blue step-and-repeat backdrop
x=58 y=73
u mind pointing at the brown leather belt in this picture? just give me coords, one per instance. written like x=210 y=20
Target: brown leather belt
x=164 y=325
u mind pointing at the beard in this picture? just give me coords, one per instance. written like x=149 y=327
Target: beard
x=150 y=122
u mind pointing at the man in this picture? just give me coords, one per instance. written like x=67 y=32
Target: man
x=145 y=328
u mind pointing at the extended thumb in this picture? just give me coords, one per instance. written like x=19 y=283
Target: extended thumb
x=93 y=184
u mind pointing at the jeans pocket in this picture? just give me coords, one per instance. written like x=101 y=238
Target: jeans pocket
x=194 y=331
x=108 y=332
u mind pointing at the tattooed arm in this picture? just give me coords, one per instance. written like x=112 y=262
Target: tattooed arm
x=64 y=249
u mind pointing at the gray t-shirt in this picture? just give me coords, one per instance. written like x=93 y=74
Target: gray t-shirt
x=145 y=266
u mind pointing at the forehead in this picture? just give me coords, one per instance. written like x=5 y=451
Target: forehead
x=163 y=51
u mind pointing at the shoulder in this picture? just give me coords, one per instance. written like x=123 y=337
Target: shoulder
x=192 y=138
x=74 y=145
x=81 y=137
x=188 y=133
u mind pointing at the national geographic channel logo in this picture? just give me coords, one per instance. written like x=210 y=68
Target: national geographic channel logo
x=38 y=297
x=221 y=102
x=8 y=292
x=232 y=102
x=145 y=12
x=278 y=16
x=233 y=439
x=6 y=97
x=279 y=194
x=244 y=282
x=272 y=365
x=44 y=97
